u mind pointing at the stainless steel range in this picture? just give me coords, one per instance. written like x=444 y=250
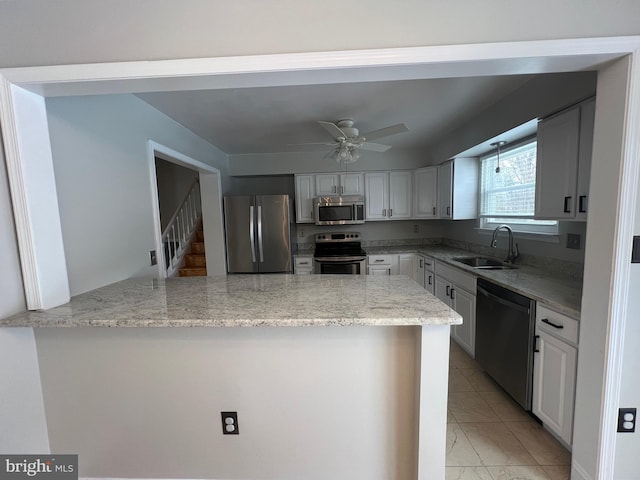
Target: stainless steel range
x=339 y=253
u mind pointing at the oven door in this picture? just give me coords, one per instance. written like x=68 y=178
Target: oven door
x=339 y=266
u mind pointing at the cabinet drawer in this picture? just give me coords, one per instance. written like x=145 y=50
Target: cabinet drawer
x=303 y=262
x=556 y=324
x=459 y=278
x=381 y=259
x=429 y=263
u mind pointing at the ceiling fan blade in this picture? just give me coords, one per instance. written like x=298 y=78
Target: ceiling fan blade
x=375 y=147
x=385 y=132
x=333 y=129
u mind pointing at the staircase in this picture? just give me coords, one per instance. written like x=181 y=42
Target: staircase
x=195 y=262
x=183 y=238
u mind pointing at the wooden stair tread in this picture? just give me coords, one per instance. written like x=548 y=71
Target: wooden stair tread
x=195 y=262
x=193 y=272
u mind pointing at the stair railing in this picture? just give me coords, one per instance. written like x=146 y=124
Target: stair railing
x=176 y=237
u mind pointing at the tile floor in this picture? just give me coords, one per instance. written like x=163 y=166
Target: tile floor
x=489 y=436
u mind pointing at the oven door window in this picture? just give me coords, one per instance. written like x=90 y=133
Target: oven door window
x=335 y=213
x=347 y=268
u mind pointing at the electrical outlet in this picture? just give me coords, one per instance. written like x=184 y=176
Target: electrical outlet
x=300 y=232
x=230 y=423
x=573 y=241
x=626 y=420
x=416 y=228
x=153 y=259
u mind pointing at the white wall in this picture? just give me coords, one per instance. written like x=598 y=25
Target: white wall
x=602 y=232
x=12 y=299
x=99 y=146
x=313 y=403
x=628 y=444
x=174 y=182
x=41 y=32
x=22 y=417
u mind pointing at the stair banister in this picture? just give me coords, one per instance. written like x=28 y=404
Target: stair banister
x=178 y=232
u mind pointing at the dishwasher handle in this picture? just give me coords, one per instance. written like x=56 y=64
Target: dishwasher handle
x=503 y=301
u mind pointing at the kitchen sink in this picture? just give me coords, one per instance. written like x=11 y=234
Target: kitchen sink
x=486 y=263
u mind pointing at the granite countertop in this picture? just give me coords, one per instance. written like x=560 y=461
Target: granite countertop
x=558 y=291
x=248 y=300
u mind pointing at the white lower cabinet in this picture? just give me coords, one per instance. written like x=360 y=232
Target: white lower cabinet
x=390 y=264
x=408 y=265
x=554 y=372
x=382 y=264
x=303 y=265
x=458 y=290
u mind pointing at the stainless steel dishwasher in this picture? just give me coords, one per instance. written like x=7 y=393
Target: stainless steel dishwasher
x=505 y=324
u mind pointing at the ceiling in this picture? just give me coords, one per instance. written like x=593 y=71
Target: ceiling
x=268 y=119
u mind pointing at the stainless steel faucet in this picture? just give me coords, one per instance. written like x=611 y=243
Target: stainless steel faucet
x=513 y=253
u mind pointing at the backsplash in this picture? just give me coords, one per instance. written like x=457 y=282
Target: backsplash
x=563 y=267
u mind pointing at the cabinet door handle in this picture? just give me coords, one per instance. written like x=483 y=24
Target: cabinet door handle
x=448 y=211
x=421 y=265
x=303 y=263
x=380 y=260
x=342 y=188
x=334 y=189
x=434 y=210
x=554 y=325
x=430 y=280
x=448 y=290
x=535 y=344
x=567 y=206
x=384 y=212
x=390 y=212
x=582 y=204
x=452 y=290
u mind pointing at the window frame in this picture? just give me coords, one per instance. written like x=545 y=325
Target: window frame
x=544 y=230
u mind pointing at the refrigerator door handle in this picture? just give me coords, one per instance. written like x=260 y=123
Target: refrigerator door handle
x=252 y=235
x=260 y=248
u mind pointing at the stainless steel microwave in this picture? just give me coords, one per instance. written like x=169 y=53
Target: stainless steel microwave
x=345 y=210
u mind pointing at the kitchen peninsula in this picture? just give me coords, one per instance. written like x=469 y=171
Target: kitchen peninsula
x=364 y=396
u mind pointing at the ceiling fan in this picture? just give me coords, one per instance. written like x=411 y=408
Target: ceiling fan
x=347 y=140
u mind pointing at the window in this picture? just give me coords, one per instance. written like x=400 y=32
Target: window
x=508 y=196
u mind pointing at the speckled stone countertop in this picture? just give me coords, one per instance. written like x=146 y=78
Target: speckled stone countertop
x=562 y=293
x=248 y=300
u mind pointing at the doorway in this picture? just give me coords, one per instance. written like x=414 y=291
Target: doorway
x=174 y=178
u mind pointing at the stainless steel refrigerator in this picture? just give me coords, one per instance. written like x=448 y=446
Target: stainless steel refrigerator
x=258 y=233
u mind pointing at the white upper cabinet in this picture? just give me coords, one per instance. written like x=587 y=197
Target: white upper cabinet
x=585 y=149
x=425 y=192
x=445 y=185
x=334 y=184
x=400 y=195
x=458 y=189
x=564 y=163
x=352 y=183
x=327 y=184
x=305 y=191
x=388 y=195
x=376 y=186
